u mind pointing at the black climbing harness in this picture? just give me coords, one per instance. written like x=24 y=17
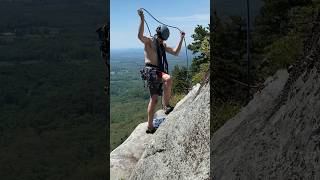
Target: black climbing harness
x=162 y=57
x=184 y=39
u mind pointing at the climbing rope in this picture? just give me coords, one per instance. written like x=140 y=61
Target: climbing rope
x=184 y=39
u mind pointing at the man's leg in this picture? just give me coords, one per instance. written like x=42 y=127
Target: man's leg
x=167 y=89
x=152 y=103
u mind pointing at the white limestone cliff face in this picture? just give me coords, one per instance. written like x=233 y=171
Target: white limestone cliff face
x=178 y=150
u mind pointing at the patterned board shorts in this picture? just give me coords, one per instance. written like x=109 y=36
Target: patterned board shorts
x=152 y=77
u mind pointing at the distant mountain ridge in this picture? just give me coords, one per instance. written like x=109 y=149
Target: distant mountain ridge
x=125 y=55
x=50 y=30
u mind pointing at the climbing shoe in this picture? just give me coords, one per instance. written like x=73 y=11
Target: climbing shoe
x=168 y=109
x=151 y=130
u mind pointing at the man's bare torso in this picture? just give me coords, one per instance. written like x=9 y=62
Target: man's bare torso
x=150 y=53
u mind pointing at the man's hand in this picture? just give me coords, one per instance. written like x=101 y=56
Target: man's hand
x=182 y=34
x=140 y=13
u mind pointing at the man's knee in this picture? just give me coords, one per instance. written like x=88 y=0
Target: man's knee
x=167 y=78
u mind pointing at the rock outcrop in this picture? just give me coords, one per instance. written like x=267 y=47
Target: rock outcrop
x=178 y=150
x=180 y=147
x=124 y=158
x=277 y=135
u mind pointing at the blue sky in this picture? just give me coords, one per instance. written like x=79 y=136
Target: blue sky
x=183 y=14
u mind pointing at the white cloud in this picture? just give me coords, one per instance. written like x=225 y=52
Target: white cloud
x=194 y=18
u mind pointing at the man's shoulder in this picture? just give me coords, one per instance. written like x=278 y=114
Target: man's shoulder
x=150 y=39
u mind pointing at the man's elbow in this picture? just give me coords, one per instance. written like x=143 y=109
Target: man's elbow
x=140 y=37
x=175 y=53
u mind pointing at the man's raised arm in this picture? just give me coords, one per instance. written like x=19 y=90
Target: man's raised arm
x=177 y=49
x=141 y=28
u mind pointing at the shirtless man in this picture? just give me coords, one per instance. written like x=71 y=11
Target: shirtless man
x=156 y=63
